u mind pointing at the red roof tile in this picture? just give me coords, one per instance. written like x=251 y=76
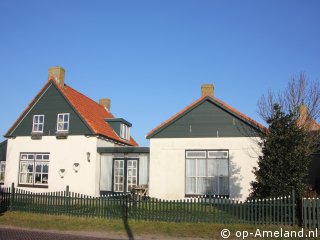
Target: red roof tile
x=91 y=112
x=224 y=105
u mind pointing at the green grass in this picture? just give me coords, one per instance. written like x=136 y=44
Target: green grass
x=138 y=228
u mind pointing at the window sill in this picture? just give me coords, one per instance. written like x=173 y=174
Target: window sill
x=62 y=135
x=32 y=186
x=36 y=135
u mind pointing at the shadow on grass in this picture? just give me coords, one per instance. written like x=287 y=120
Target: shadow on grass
x=127 y=227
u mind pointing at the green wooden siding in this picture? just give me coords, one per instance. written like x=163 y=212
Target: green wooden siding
x=3 y=150
x=207 y=120
x=115 y=126
x=50 y=104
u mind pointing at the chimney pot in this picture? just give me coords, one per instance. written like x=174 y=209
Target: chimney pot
x=207 y=90
x=106 y=102
x=57 y=73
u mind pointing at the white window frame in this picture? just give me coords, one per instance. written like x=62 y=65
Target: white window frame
x=118 y=178
x=125 y=131
x=37 y=124
x=63 y=122
x=2 y=171
x=28 y=176
x=191 y=155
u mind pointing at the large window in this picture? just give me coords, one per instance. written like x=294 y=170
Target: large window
x=63 y=122
x=34 y=169
x=125 y=131
x=38 y=122
x=2 y=171
x=207 y=172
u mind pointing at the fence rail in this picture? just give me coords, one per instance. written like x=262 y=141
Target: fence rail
x=211 y=209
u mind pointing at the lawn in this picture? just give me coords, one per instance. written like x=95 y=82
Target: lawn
x=138 y=228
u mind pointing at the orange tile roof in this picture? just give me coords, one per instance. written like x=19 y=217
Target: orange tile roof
x=90 y=111
x=224 y=105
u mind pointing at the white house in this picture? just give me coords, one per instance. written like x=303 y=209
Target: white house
x=207 y=148
x=65 y=138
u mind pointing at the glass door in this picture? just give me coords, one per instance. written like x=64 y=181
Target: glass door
x=132 y=174
x=118 y=175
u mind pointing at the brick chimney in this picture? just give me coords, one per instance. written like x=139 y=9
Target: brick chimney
x=106 y=102
x=207 y=90
x=57 y=73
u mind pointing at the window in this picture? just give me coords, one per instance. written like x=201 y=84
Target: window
x=2 y=171
x=125 y=174
x=38 y=122
x=207 y=172
x=63 y=122
x=125 y=131
x=34 y=169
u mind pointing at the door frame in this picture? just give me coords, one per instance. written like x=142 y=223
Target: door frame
x=125 y=177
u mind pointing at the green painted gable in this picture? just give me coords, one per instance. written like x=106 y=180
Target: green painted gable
x=3 y=150
x=50 y=103
x=206 y=120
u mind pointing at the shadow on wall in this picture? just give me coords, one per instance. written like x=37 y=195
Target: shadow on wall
x=235 y=178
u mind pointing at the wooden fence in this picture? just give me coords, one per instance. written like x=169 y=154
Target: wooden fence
x=211 y=209
x=311 y=212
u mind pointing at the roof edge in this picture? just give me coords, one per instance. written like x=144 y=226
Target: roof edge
x=193 y=105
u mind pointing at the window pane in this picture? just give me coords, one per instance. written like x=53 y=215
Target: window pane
x=223 y=167
x=191 y=185
x=223 y=185
x=213 y=185
x=38 y=168
x=66 y=117
x=45 y=168
x=60 y=126
x=201 y=165
x=191 y=167
x=212 y=167
x=65 y=126
x=201 y=186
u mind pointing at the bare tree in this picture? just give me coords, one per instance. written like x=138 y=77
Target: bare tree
x=301 y=98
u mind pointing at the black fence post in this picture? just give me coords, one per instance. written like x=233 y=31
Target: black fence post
x=299 y=209
x=66 y=200
x=12 y=197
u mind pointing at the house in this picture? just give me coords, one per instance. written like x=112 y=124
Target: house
x=207 y=148
x=65 y=138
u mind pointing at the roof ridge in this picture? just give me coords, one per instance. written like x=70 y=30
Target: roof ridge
x=85 y=96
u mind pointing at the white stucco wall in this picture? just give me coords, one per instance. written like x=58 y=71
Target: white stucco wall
x=63 y=153
x=167 y=164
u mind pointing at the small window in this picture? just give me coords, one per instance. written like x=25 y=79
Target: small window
x=196 y=154
x=63 y=122
x=217 y=154
x=38 y=122
x=125 y=131
x=2 y=171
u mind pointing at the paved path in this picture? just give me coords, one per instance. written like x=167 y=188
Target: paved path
x=17 y=233
x=14 y=233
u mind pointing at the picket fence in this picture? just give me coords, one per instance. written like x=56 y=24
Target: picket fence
x=281 y=211
x=311 y=212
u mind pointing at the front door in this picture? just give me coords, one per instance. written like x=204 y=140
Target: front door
x=125 y=174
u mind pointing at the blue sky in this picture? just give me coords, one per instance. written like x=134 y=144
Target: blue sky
x=151 y=57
